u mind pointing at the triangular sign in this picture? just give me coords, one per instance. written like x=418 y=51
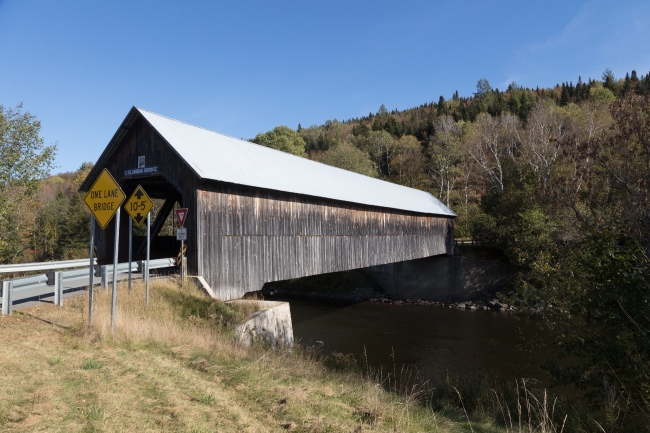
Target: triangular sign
x=181 y=214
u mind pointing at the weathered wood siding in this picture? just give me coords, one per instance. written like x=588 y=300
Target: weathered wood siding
x=247 y=237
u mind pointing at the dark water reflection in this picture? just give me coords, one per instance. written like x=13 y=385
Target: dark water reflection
x=431 y=339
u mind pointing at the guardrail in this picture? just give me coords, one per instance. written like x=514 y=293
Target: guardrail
x=43 y=266
x=27 y=289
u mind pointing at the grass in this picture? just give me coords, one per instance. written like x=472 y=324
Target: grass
x=176 y=367
x=91 y=364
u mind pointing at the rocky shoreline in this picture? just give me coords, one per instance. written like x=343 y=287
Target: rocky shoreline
x=366 y=294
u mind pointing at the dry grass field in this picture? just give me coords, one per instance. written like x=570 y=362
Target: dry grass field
x=175 y=366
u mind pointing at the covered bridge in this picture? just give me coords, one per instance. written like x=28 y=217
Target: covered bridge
x=258 y=215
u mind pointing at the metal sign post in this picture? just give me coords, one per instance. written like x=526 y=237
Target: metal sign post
x=92 y=271
x=137 y=206
x=104 y=200
x=130 y=250
x=148 y=249
x=115 y=251
x=181 y=235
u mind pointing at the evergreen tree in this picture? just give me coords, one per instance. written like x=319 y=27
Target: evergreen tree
x=564 y=98
x=441 y=106
x=609 y=81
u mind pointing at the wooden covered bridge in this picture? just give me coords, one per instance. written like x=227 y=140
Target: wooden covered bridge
x=258 y=215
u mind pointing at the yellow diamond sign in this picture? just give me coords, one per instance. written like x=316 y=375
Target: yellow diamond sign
x=104 y=198
x=138 y=205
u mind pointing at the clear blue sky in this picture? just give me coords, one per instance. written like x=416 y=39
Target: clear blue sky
x=243 y=67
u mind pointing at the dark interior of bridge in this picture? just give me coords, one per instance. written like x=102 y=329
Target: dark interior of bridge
x=166 y=198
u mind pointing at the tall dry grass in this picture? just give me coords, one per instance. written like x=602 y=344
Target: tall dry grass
x=162 y=322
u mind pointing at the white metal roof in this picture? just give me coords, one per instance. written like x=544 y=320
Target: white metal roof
x=219 y=157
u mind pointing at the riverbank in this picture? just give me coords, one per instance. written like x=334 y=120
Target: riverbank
x=357 y=286
x=176 y=366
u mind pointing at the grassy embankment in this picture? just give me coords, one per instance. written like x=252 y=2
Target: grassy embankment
x=176 y=367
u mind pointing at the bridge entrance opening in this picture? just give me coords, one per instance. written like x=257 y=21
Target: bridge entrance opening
x=166 y=198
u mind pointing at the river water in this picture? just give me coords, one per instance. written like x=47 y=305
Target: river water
x=432 y=340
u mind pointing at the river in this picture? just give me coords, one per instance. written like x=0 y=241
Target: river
x=431 y=339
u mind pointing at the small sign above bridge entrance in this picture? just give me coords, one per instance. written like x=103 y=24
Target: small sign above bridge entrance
x=138 y=205
x=104 y=198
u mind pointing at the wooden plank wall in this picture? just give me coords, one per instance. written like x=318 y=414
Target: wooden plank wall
x=249 y=237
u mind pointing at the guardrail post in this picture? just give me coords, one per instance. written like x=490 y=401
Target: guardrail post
x=57 y=293
x=59 y=289
x=7 y=289
x=104 y=277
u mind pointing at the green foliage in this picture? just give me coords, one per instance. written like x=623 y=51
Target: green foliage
x=583 y=260
x=608 y=304
x=206 y=399
x=189 y=305
x=24 y=162
x=282 y=138
x=91 y=364
x=348 y=157
x=530 y=234
x=380 y=146
x=601 y=94
x=61 y=225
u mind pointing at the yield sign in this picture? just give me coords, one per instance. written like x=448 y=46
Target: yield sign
x=181 y=214
x=138 y=205
x=104 y=198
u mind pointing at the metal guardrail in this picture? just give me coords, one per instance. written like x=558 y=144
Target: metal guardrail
x=53 y=283
x=43 y=266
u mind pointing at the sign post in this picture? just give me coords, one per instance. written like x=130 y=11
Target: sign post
x=148 y=249
x=104 y=200
x=138 y=206
x=116 y=246
x=181 y=234
x=130 y=250
x=92 y=271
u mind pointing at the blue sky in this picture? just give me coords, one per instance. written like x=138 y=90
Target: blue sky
x=243 y=67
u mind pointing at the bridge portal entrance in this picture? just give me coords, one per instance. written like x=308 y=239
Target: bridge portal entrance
x=166 y=198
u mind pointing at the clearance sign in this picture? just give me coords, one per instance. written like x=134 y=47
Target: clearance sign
x=104 y=198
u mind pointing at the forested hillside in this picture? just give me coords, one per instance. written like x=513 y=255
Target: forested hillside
x=461 y=148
